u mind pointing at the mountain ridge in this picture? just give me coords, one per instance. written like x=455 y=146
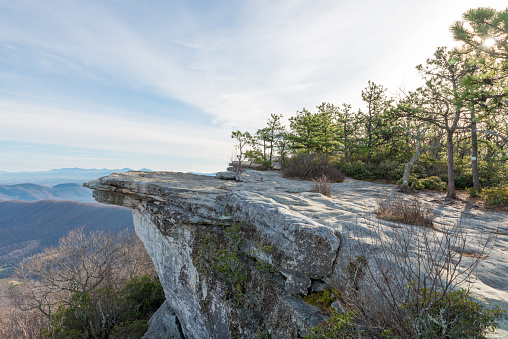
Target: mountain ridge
x=34 y=192
x=58 y=175
x=28 y=227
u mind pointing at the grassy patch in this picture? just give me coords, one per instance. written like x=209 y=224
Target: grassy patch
x=322 y=299
x=407 y=211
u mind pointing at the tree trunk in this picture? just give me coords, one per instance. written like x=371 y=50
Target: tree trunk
x=271 y=149
x=409 y=166
x=474 y=153
x=264 y=150
x=345 y=142
x=451 y=174
x=369 y=156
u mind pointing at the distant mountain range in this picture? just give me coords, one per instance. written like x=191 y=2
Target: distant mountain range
x=28 y=227
x=57 y=176
x=38 y=208
x=33 y=192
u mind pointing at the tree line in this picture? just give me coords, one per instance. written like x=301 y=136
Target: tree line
x=454 y=127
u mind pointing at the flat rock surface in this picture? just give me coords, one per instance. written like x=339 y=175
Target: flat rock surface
x=351 y=202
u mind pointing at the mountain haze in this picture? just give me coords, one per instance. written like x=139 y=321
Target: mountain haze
x=33 y=192
x=57 y=176
x=27 y=227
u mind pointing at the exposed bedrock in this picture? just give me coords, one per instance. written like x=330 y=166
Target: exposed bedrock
x=217 y=286
x=235 y=256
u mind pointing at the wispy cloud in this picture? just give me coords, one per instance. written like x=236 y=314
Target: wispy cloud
x=29 y=123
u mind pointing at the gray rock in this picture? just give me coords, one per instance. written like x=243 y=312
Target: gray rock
x=294 y=242
x=229 y=175
x=163 y=324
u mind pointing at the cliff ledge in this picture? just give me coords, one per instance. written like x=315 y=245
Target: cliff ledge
x=236 y=257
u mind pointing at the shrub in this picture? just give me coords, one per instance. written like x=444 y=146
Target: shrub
x=429 y=166
x=322 y=185
x=464 y=180
x=402 y=282
x=495 y=196
x=433 y=183
x=412 y=180
x=143 y=295
x=473 y=192
x=322 y=299
x=491 y=173
x=108 y=310
x=356 y=169
x=387 y=169
x=257 y=157
x=453 y=315
x=407 y=211
x=312 y=166
x=338 y=326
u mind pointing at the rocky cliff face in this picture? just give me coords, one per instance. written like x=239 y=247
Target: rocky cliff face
x=231 y=259
x=235 y=257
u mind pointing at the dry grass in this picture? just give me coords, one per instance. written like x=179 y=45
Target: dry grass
x=475 y=255
x=322 y=185
x=405 y=210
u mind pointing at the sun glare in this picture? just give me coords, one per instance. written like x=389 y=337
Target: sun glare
x=489 y=42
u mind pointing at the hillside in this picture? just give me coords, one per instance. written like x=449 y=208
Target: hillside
x=56 y=176
x=27 y=227
x=33 y=192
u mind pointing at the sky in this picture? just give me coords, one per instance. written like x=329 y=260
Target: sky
x=161 y=84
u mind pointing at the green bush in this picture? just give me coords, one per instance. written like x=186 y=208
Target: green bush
x=491 y=173
x=143 y=295
x=433 y=183
x=495 y=196
x=429 y=315
x=473 y=192
x=356 y=169
x=464 y=180
x=427 y=166
x=322 y=299
x=453 y=315
x=105 y=311
x=387 y=169
x=412 y=179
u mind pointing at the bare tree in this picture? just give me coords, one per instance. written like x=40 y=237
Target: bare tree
x=243 y=139
x=81 y=263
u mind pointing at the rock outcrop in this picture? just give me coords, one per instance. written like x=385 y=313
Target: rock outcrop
x=235 y=256
x=217 y=287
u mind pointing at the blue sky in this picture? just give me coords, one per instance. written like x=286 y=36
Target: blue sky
x=161 y=84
